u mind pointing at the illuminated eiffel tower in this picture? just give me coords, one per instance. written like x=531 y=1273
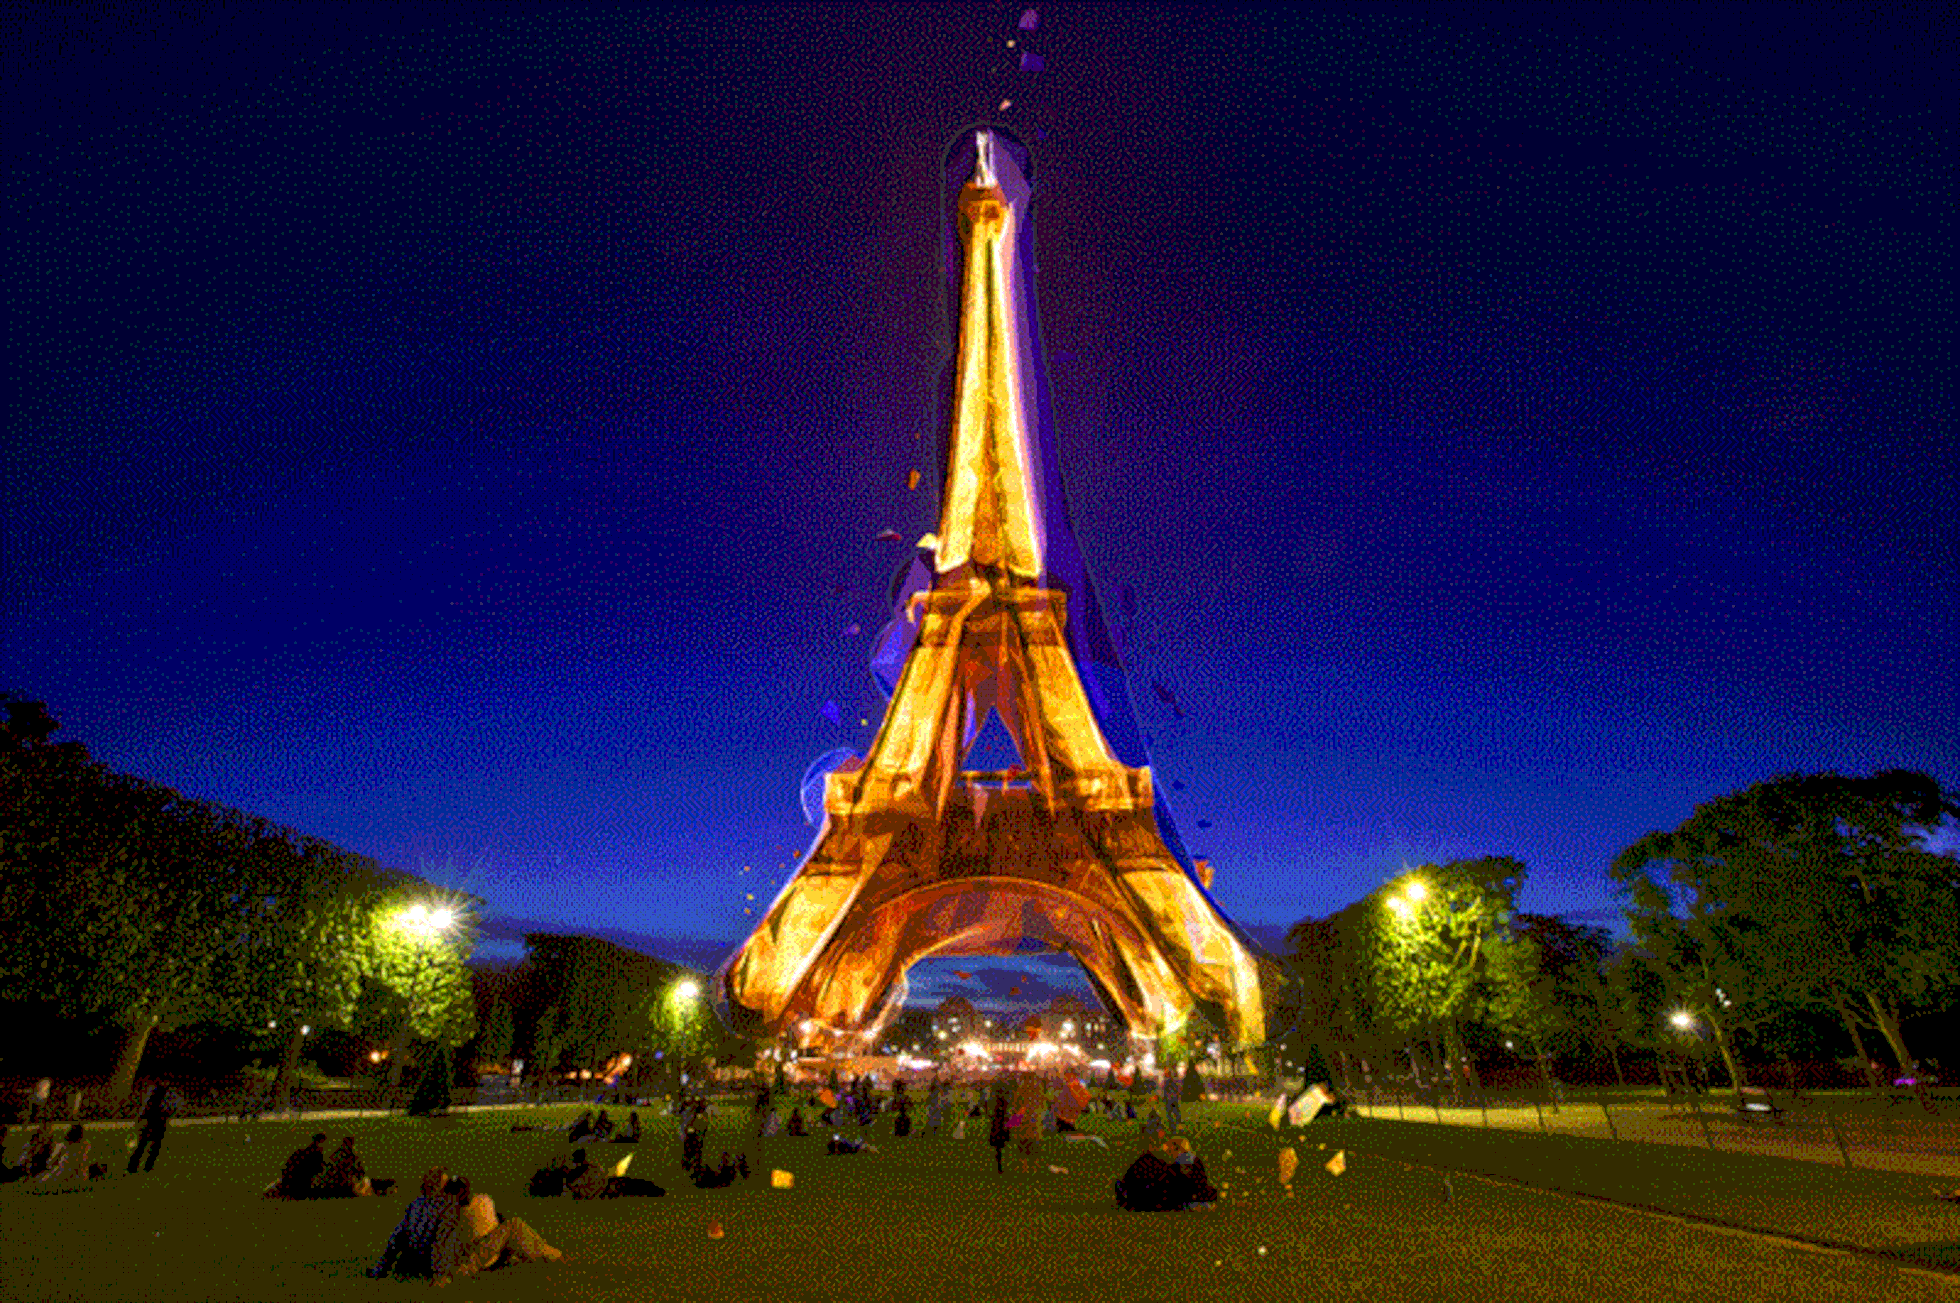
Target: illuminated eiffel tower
x=918 y=857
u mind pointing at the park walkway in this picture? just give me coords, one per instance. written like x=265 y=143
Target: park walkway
x=1914 y=1144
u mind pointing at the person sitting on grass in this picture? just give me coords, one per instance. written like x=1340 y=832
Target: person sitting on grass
x=476 y=1239
x=1174 y=1181
x=603 y=1128
x=1199 y=1193
x=1149 y=1184
x=588 y=1180
x=302 y=1166
x=410 y=1250
x=40 y=1147
x=68 y=1163
x=839 y=1145
x=581 y=1127
x=345 y=1176
x=630 y=1133
x=796 y=1125
x=1153 y=1131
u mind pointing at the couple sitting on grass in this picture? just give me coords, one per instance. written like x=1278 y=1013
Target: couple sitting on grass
x=585 y=1128
x=450 y=1231
x=1171 y=1183
x=310 y=1173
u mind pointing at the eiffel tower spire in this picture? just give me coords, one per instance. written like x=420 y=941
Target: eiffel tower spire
x=990 y=516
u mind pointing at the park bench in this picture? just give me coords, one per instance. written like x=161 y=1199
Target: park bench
x=1753 y=1102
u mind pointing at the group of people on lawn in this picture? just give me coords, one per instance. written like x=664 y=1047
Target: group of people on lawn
x=451 y=1230
x=67 y=1163
x=313 y=1173
x=49 y=1164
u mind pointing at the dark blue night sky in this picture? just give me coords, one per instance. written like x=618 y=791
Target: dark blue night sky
x=462 y=434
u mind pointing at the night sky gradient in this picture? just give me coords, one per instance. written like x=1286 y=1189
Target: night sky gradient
x=462 y=433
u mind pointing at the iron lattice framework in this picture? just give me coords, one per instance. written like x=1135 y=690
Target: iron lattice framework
x=919 y=857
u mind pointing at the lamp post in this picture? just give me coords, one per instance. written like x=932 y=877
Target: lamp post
x=682 y=1001
x=1685 y=1022
x=1406 y=908
x=426 y=926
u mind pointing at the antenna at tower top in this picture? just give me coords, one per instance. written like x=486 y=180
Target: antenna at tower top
x=983 y=161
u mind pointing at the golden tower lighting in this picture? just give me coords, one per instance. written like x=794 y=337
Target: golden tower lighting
x=920 y=857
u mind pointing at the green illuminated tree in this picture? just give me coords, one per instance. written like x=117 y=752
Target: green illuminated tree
x=129 y=905
x=117 y=896
x=1711 y=960
x=1549 y=989
x=680 y=1027
x=1437 y=943
x=607 y=997
x=418 y=945
x=305 y=939
x=1824 y=882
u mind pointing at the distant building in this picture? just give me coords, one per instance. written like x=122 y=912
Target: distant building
x=957 y=1020
x=1072 y=1021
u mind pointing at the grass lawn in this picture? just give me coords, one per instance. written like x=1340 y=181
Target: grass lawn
x=927 y=1219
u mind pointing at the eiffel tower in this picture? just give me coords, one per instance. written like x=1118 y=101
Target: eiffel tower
x=919 y=857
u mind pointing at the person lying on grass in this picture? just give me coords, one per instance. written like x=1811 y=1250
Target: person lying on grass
x=548 y=1182
x=476 y=1239
x=588 y=1180
x=410 y=1250
x=302 y=1166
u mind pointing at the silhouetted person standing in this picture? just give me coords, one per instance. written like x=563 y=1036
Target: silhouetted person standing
x=997 y=1130
x=155 y=1120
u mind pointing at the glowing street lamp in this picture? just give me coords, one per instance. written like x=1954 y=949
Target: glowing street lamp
x=426 y=925
x=1682 y=1019
x=425 y=921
